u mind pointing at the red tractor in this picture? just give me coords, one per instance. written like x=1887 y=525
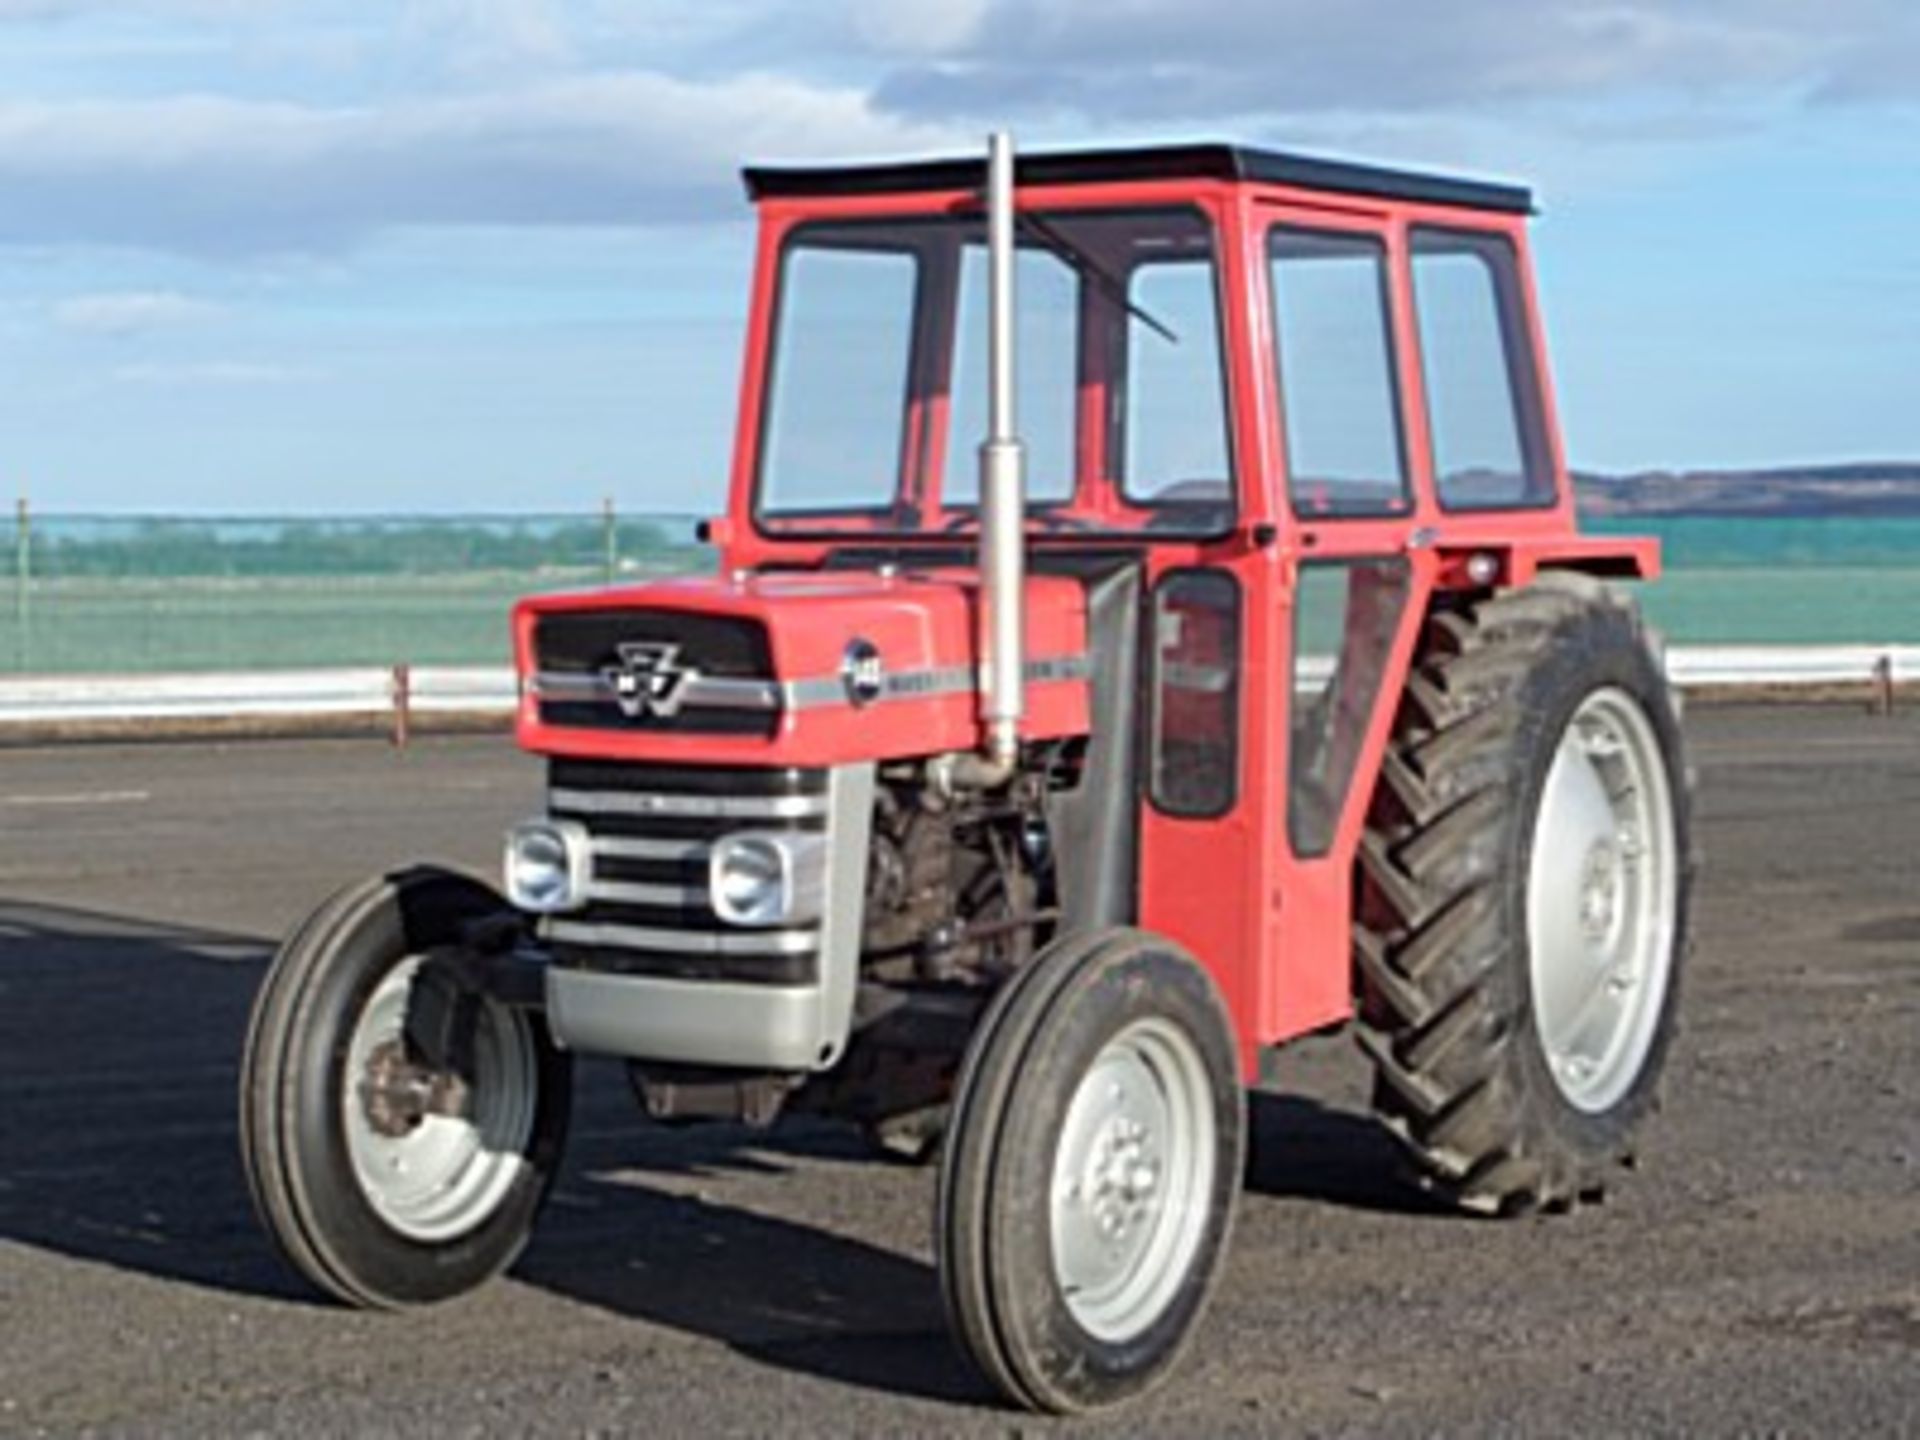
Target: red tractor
x=1014 y=799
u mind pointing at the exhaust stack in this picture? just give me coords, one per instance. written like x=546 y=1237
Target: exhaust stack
x=1003 y=486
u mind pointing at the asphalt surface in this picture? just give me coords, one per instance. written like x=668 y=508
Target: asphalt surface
x=1760 y=1272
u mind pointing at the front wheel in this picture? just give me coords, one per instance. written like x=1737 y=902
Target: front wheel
x=1090 y=1171
x=399 y=1127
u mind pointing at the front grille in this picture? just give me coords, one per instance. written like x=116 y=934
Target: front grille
x=652 y=827
x=730 y=688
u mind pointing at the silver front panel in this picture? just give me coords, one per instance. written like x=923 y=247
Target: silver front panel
x=690 y=1022
x=724 y=1022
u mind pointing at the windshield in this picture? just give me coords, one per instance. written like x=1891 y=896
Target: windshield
x=877 y=382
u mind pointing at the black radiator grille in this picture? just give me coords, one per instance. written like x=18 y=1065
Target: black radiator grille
x=573 y=649
x=642 y=838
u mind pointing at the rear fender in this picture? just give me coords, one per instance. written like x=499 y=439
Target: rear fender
x=1467 y=565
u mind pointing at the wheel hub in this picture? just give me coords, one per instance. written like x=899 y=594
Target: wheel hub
x=1600 y=885
x=434 y=1152
x=1121 y=1178
x=1133 y=1163
x=397 y=1094
x=1601 y=900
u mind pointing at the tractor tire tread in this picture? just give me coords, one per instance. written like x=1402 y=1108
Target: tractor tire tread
x=1429 y=935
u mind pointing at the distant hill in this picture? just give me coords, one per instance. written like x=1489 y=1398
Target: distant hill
x=1872 y=490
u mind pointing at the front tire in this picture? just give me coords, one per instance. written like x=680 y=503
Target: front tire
x=1090 y=1170
x=1523 y=896
x=388 y=1177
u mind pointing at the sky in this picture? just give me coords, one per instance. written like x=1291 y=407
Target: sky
x=445 y=255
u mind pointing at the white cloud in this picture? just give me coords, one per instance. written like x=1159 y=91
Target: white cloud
x=127 y=312
x=590 y=112
x=919 y=27
x=492 y=35
x=1131 y=59
x=211 y=174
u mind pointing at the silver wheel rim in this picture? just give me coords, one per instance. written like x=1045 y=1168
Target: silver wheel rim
x=1601 y=901
x=1132 y=1179
x=447 y=1173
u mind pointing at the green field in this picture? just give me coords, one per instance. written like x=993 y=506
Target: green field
x=115 y=595
x=95 y=626
x=80 y=626
x=1797 y=606
x=124 y=597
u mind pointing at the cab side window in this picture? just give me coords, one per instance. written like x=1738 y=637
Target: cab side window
x=1340 y=406
x=1193 y=722
x=1483 y=391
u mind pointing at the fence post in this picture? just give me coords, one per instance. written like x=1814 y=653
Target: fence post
x=611 y=535
x=23 y=585
x=402 y=705
x=1883 y=685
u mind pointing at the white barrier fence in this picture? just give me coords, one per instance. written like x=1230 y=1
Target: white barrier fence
x=1790 y=665
x=256 y=694
x=429 y=690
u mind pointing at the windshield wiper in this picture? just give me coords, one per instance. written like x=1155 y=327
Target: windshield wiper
x=1092 y=270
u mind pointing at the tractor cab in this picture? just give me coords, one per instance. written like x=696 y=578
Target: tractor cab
x=1150 y=625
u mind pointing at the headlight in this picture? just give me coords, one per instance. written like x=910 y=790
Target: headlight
x=770 y=879
x=548 y=867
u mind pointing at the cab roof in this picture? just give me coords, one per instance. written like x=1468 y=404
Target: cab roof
x=1165 y=162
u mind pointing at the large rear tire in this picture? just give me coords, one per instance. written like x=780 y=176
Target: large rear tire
x=1090 y=1170
x=388 y=1177
x=1524 y=882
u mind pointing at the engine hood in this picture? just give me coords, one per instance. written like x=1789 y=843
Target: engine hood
x=784 y=668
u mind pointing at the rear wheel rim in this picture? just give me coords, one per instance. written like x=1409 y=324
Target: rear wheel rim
x=1133 y=1177
x=1602 y=899
x=448 y=1173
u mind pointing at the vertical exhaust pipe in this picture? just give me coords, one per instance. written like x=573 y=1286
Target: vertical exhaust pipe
x=1003 y=487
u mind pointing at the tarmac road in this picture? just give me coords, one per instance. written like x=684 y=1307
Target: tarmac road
x=1760 y=1272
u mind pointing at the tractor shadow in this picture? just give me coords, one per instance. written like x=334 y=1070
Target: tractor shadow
x=1301 y=1148
x=633 y=1228
x=120 y=1043
x=119 y=1055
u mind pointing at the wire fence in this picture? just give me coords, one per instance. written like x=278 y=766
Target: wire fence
x=134 y=594
x=139 y=594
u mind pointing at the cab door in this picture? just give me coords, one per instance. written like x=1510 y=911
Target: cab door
x=1354 y=573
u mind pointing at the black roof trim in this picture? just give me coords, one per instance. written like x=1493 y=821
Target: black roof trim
x=1168 y=162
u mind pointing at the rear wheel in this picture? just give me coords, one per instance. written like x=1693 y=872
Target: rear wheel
x=1523 y=904
x=390 y=1174
x=1089 y=1173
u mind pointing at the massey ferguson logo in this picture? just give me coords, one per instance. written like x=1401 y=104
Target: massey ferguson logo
x=649 y=679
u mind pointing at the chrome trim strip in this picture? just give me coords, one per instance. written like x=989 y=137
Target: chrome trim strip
x=1059 y=667
x=633 y=847
x=703 y=807
x=571 y=685
x=707 y=692
x=824 y=690
x=682 y=942
x=704 y=692
x=635 y=892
